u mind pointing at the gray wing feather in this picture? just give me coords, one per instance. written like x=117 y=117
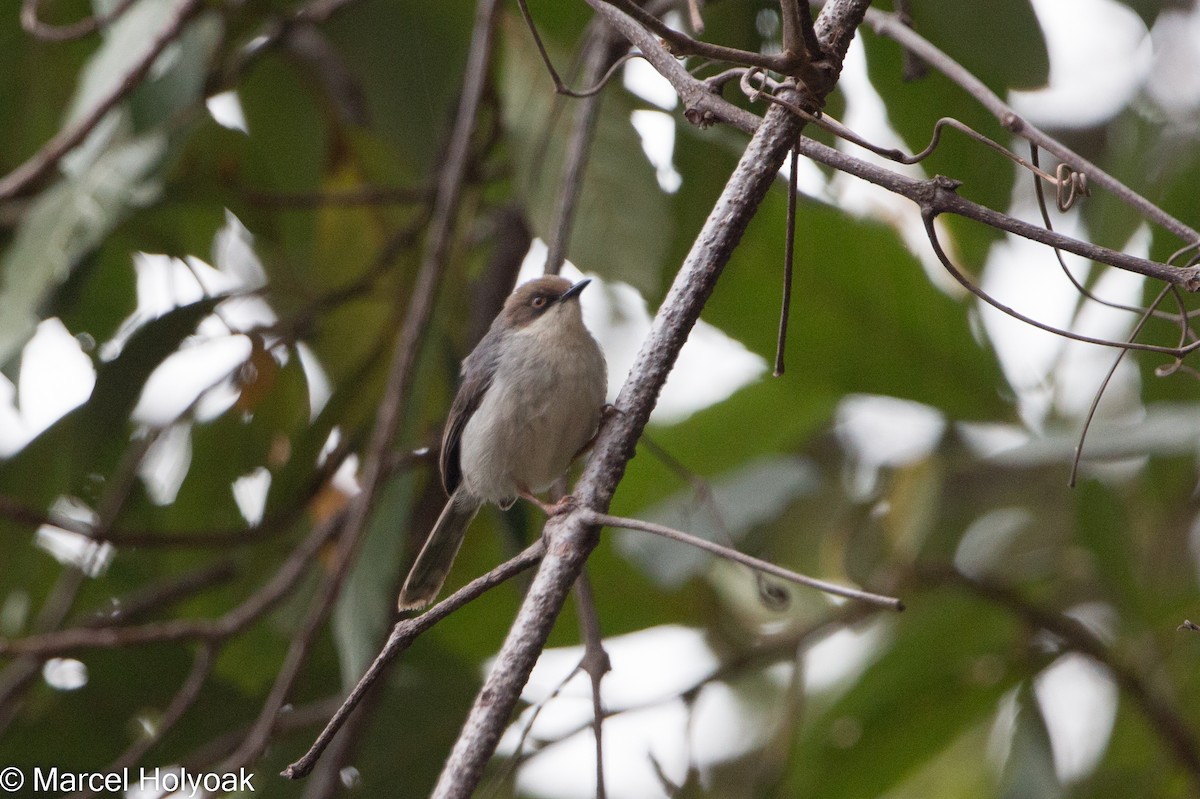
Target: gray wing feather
x=478 y=370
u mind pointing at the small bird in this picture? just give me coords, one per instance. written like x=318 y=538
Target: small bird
x=531 y=399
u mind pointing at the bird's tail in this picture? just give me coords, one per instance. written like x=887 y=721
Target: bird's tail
x=433 y=564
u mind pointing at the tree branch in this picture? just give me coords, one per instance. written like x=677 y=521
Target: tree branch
x=591 y=517
x=570 y=538
x=1159 y=709
x=409 y=340
x=403 y=634
x=893 y=27
x=267 y=597
x=938 y=195
x=26 y=176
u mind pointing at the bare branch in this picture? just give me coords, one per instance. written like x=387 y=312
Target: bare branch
x=1112 y=370
x=402 y=367
x=183 y=699
x=931 y=231
x=570 y=537
x=938 y=195
x=602 y=57
x=263 y=600
x=591 y=517
x=596 y=79
x=403 y=634
x=893 y=27
x=680 y=44
x=26 y=176
x=596 y=664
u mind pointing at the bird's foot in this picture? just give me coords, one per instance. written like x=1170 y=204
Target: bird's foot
x=551 y=509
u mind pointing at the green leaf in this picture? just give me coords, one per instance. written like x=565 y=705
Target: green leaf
x=947 y=667
x=89 y=439
x=366 y=606
x=65 y=223
x=1029 y=768
x=754 y=493
x=623 y=240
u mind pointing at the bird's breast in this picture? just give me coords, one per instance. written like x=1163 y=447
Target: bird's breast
x=542 y=407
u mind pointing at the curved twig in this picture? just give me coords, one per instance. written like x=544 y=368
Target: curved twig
x=1112 y=370
x=32 y=23
x=929 y=214
x=560 y=86
x=1069 y=184
x=891 y=26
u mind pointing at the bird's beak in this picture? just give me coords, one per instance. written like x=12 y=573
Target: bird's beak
x=574 y=290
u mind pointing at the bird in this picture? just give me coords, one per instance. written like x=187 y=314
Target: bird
x=530 y=400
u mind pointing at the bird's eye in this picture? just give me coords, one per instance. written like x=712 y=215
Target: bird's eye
x=538 y=302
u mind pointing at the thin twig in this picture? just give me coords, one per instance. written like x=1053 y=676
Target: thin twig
x=591 y=517
x=291 y=718
x=1112 y=370
x=32 y=23
x=938 y=196
x=156 y=597
x=703 y=106
x=601 y=58
x=597 y=81
x=680 y=44
x=255 y=606
x=184 y=698
x=928 y=216
x=893 y=27
x=789 y=255
x=400 y=376
x=596 y=664
x=912 y=68
x=403 y=634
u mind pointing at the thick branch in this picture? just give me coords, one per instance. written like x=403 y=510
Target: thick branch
x=570 y=538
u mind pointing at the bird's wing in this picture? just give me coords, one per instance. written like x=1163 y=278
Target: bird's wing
x=478 y=369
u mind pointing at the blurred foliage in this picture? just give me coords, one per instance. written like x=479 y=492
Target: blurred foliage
x=1005 y=570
